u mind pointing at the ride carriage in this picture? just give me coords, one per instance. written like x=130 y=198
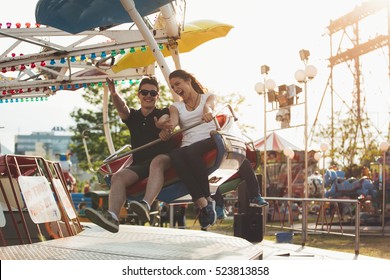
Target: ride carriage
x=350 y=187
x=222 y=163
x=35 y=204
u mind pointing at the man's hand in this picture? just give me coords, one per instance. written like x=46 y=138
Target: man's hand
x=111 y=85
x=164 y=123
x=165 y=135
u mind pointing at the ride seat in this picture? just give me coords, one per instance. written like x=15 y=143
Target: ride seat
x=170 y=176
x=218 y=161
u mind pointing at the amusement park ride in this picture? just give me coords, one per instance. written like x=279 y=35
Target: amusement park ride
x=96 y=45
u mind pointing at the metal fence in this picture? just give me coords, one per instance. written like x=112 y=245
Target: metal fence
x=285 y=213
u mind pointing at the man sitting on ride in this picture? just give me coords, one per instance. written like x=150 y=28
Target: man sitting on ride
x=143 y=130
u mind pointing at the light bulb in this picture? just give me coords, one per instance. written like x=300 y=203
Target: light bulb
x=270 y=84
x=300 y=76
x=311 y=71
x=259 y=88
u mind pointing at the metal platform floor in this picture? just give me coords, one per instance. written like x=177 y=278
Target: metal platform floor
x=154 y=243
x=137 y=243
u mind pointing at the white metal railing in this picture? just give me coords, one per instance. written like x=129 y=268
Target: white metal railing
x=320 y=214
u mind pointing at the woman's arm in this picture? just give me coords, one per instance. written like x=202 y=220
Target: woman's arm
x=174 y=116
x=208 y=108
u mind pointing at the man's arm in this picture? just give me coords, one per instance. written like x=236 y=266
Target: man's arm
x=119 y=102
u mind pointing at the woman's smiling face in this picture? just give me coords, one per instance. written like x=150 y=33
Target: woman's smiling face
x=180 y=86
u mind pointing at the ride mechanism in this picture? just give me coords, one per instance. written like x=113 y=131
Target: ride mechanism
x=87 y=60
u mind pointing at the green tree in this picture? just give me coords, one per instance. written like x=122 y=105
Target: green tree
x=354 y=143
x=89 y=123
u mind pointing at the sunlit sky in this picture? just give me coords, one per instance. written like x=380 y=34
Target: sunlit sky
x=265 y=32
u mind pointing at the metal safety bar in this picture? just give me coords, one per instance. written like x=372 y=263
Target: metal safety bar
x=116 y=156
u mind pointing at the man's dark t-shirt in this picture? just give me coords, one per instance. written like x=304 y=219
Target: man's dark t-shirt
x=143 y=131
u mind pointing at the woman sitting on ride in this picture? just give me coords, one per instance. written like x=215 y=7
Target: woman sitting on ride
x=196 y=105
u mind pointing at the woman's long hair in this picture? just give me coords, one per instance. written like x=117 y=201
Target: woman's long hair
x=196 y=85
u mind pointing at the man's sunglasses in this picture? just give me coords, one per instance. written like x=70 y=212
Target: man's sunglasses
x=145 y=92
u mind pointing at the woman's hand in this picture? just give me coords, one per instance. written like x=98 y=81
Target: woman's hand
x=207 y=113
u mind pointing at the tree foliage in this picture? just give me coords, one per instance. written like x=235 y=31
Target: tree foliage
x=355 y=143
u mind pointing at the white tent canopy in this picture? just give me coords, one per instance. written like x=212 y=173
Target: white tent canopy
x=275 y=142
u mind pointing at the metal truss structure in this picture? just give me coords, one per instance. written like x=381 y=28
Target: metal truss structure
x=348 y=30
x=57 y=60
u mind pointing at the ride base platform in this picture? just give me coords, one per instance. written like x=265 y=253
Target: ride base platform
x=154 y=243
x=137 y=243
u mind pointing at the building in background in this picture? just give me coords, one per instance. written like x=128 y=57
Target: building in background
x=50 y=145
x=44 y=144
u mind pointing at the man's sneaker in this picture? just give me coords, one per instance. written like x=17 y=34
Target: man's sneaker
x=258 y=201
x=221 y=212
x=103 y=219
x=141 y=208
x=208 y=216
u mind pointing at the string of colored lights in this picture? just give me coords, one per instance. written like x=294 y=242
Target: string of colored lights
x=10 y=96
x=69 y=87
